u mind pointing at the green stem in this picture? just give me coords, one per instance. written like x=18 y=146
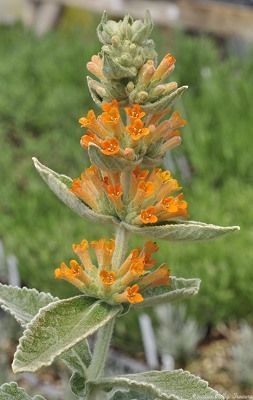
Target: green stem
x=96 y=368
x=121 y=239
x=101 y=348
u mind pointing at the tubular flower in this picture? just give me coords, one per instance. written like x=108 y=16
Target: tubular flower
x=138 y=197
x=114 y=285
x=140 y=137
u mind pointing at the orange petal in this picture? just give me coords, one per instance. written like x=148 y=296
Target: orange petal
x=135 y=112
x=148 y=215
x=110 y=146
x=107 y=277
x=133 y=295
x=137 y=129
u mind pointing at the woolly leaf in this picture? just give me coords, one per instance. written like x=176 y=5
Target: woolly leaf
x=78 y=357
x=164 y=102
x=177 y=289
x=158 y=385
x=109 y=163
x=57 y=327
x=22 y=303
x=182 y=231
x=59 y=185
x=78 y=384
x=93 y=92
x=11 y=391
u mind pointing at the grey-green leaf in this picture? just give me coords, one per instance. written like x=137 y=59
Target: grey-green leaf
x=164 y=102
x=78 y=384
x=59 y=185
x=57 y=327
x=109 y=163
x=11 y=391
x=22 y=303
x=78 y=357
x=178 y=289
x=160 y=385
x=182 y=231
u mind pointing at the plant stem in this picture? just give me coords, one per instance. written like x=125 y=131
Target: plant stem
x=101 y=348
x=104 y=335
x=120 y=246
x=96 y=368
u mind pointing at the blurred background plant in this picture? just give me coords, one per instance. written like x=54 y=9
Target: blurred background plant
x=177 y=334
x=242 y=356
x=44 y=92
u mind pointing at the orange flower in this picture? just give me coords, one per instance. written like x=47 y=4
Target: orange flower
x=133 y=295
x=149 y=248
x=111 y=115
x=104 y=251
x=137 y=266
x=107 y=277
x=135 y=112
x=107 y=107
x=140 y=173
x=82 y=250
x=75 y=274
x=159 y=277
x=144 y=190
x=110 y=146
x=147 y=188
x=87 y=139
x=176 y=121
x=85 y=190
x=175 y=205
x=148 y=215
x=130 y=295
x=165 y=67
x=89 y=120
x=114 y=191
x=137 y=129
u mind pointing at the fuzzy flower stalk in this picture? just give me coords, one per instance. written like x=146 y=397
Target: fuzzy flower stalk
x=126 y=139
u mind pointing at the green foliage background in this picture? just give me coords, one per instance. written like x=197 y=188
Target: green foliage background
x=43 y=93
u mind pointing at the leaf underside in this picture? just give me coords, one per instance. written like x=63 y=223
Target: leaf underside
x=178 y=289
x=182 y=231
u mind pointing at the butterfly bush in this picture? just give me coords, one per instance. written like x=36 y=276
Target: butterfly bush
x=126 y=138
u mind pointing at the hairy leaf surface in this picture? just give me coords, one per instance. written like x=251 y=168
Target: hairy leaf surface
x=159 y=385
x=58 y=327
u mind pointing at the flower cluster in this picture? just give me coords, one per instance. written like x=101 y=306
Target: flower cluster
x=101 y=280
x=138 y=197
x=143 y=137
